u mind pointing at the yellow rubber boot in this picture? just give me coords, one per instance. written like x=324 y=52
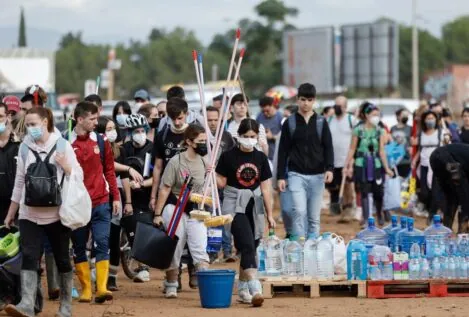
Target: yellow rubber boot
x=102 y=273
x=84 y=276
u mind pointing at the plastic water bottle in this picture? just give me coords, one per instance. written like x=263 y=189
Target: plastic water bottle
x=386 y=259
x=373 y=235
x=294 y=257
x=274 y=255
x=463 y=274
x=310 y=251
x=411 y=236
x=424 y=269
x=214 y=239
x=393 y=243
x=463 y=245
x=261 y=269
x=414 y=262
x=325 y=256
x=374 y=269
x=357 y=260
x=436 y=236
x=436 y=268
x=391 y=226
x=451 y=268
x=444 y=263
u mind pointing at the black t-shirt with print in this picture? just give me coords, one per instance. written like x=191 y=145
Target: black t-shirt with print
x=166 y=145
x=244 y=170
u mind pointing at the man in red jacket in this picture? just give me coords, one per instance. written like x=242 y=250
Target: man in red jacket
x=100 y=181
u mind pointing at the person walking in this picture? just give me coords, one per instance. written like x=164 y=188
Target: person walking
x=306 y=150
x=41 y=146
x=244 y=174
x=94 y=153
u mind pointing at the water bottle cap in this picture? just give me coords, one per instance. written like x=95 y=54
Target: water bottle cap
x=371 y=222
x=436 y=218
x=312 y=236
x=326 y=234
x=293 y=238
x=394 y=219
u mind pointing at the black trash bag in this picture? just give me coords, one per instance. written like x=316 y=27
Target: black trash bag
x=153 y=247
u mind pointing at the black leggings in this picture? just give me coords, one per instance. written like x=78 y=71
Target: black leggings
x=432 y=198
x=242 y=229
x=115 y=237
x=32 y=238
x=377 y=192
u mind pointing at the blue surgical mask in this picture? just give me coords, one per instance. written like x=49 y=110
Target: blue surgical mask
x=3 y=127
x=35 y=132
x=120 y=118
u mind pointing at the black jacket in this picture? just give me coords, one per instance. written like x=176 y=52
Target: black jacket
x=303 y=151
x=8 y=158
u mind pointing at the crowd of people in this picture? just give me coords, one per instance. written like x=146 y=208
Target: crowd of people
x=134 y=164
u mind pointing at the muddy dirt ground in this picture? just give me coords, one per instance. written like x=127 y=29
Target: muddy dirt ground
x=148 y=300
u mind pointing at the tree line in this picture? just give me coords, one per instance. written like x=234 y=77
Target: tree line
x=165 y=57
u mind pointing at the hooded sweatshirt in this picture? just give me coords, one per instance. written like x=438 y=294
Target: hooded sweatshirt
x=41 y=215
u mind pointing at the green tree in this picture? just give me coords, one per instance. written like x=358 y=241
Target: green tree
x=431 y=56
x=22 y=30
x=456 y=40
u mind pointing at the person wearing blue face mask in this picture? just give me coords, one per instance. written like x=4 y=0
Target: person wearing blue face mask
x=8 y=153
x=120 y=113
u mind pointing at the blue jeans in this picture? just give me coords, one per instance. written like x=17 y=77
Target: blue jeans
x=226 y=243
x=286 y=209
x=307 y=195
x=100 y=226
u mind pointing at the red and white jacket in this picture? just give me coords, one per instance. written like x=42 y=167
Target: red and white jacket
x=99 y=180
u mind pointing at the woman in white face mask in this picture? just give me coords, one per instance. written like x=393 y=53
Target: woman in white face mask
x=245 y=174
x=120 y=113
x=366 y=161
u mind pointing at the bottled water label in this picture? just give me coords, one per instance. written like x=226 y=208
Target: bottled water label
x=214 y=240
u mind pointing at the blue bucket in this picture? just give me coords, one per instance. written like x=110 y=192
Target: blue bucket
x=216 y=288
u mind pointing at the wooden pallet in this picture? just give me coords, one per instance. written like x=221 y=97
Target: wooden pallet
x=339 y=286
x=423 y=288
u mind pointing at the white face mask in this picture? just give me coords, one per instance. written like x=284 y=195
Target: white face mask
x=247 y=143
x=180 y=130
x=138 y=105
x=374 y=120
x=111 y=135
x=140 y=138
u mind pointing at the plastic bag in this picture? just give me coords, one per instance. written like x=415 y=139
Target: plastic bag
x=340 y=254
x=75 y=211
x=392 y=193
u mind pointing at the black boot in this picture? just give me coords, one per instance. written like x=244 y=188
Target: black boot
x=28 y=296
x=52 y=277
x=112 y=283
x=193 y=283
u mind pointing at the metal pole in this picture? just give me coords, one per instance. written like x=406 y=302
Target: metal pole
x=415 y=53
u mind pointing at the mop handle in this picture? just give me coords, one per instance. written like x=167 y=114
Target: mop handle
x=181 y=193
x=180 y=212
x=342 y=186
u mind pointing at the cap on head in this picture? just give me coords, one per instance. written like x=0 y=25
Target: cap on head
x=12 y=102
x=142 y=94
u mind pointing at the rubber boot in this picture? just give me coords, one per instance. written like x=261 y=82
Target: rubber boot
x=28 y=296
x=243 y=288
x=102 y=272
x=179 y=278
x=112 y=279
x=171 y=284
x=84 y=276
x=255 y=288
x=66 y=281
x=193 y=283
x=52 y=277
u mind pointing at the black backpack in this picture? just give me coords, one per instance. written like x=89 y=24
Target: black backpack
x=134 y=161
x=42 y=188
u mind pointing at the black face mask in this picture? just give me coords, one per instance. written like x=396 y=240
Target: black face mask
x=155 y=123
x=201 y=149
x=338 y=110
x=404 y=120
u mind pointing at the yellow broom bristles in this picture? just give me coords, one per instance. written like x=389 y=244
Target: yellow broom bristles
x=197 y=198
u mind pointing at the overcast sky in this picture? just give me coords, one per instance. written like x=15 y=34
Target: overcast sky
x=134 y=18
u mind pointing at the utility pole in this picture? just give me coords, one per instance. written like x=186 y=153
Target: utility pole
x=415 y=53
x=110 y=89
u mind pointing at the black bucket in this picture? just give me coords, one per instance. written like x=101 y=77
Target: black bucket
x=153 y=247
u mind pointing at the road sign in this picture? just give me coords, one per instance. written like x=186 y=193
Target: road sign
x=114 y=64
x=90 y=87
x=104 y=78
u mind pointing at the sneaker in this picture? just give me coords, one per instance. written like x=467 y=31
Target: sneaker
x=112 y=283
x=243 y=293
x=142 y=276
x=171 y=290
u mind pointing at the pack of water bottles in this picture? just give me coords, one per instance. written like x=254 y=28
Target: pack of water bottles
x=312 y=257
x=402 y=252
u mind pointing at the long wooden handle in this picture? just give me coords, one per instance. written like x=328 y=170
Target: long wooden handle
x=342 y=186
